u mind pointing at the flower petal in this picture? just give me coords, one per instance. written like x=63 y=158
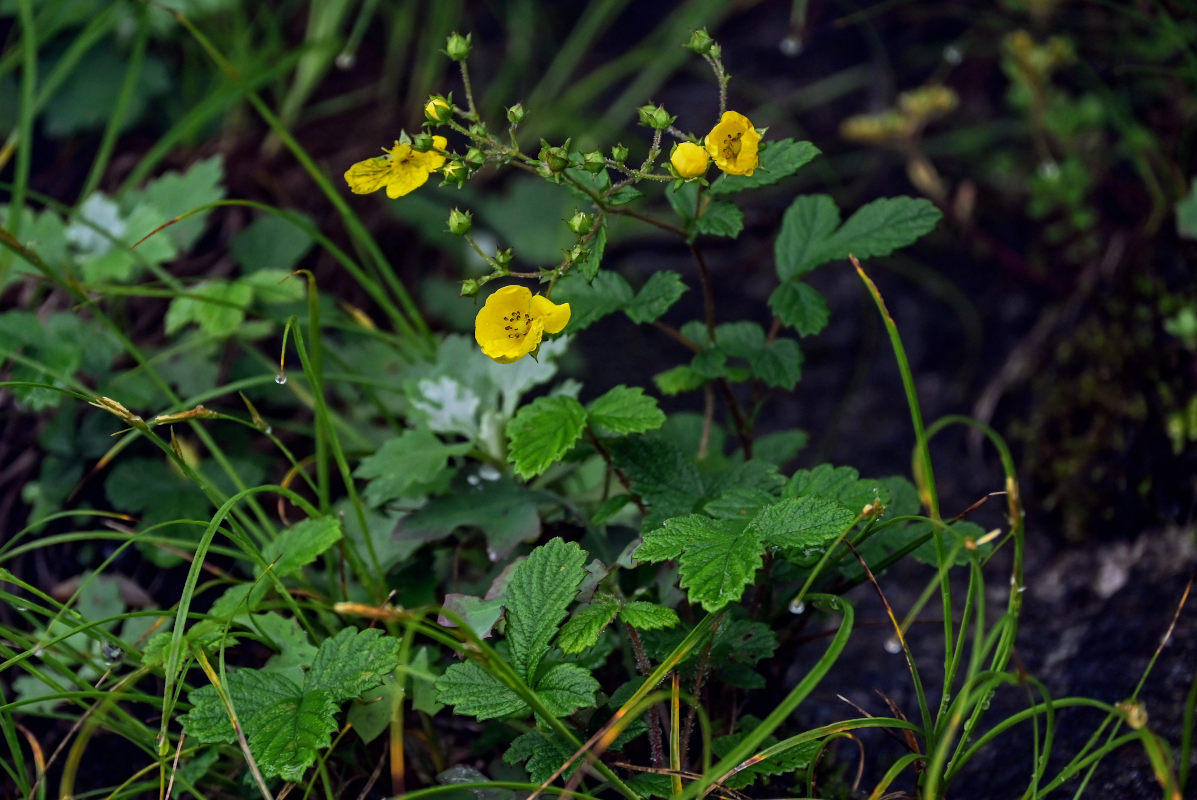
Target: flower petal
x=554 y=315
x=368 y=176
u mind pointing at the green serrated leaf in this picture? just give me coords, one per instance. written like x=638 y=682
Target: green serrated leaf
x=590 y=302
x=740 y=339
x=882 y=226
x=177 y=193
x=250 y=692
x=301 y=544
x=779 y=160
x=648 y=616
x=781 y=447
x=271 y=243
x=739 y=502
x=665 y=478
x=404 y=464
x=589 y=267
x=655 y=297
x=801 y=306
x=583 y=629
x=684 y=201
x=217 y=307
x=543 y=752
x=677 y=380
x=843 y=484
x=504 y=510
x=352 y=662
x=720 y=218
x=540 y=591
x=716 y=558
x=275 y=286
x=474 y=692
x=286 y=736
x=564 y=688
x=806 y=227
x=623 y=410
x=804 y=522
x=709 y=364
x=778 y=364
x=543 y=432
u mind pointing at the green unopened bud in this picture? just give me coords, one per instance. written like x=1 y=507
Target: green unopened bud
x=581 y=223
x=555 y=158
x=515 y=114
x=454 y=174
x=460 y=222
x=577 y=253
x=422 y=142
x=503 y=259
x=474 y=158
x=700 y=42
x=457 y=47
x=478 y=130
x=470 y=287
x=716 y=51
x=619 y=153
x=593 y=162
x=655 y=117
x=438 y=110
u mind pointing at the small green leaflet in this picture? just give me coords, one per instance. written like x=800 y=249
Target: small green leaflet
x=286 y=724
x=716 y=558
x=720 y=218
x=474 y=692
x=842 y=484
x=800 y=306
x=301 y=544
x=655 y=297
x=682 y=378
x=779 y=160
x=590 y=302
x=543 y=432
x=218 y=307
x=811 y=234
x=583 y=630
x=809 y=521
x=589 y=266
x=405 y=463
x=778 y=364
x=623 y=410
x=648 y=616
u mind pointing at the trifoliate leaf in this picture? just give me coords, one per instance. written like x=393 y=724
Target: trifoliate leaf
x=778 y=364
x=779 y=160
x=540 y=591
x=474 y=692
x=809 y=521
x=271 y=242
x=564 y=688
x=623 y=410
x=405 y=463
x=648 y=616
x=720 y=218
x=800 y=306
x=716 y=558
x=352 y=662
x=677 y=380
x=217 y=307
x=590 y=302
x=589 y=267
x=585 y=627
x=543 y=432
x=806 y=227
x=655 y=297
x=301 y=544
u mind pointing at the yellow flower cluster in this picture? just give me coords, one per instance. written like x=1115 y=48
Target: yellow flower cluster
x=400 y=171
x=513 y=321
x=733 y=145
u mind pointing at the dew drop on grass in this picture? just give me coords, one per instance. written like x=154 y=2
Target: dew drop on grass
x=797 y=606
x=892 y=645
x=790 y=46
x=952 y=54
x=268 y=430
x=346 y=60
x=280 y=378
x=1049 y=170
x=112 y=654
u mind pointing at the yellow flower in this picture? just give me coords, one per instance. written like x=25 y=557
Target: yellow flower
x=690 y=160
x=512 y=322
x=733 y=144
x=401 y=170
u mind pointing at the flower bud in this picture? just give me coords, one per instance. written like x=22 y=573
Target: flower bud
x=478 y=130
x=503 y=259
x=454 y=174
x=689 y=160
x=422 y=142
x=470 y=287
x=516 y=113
x=581 y=223
x=577 y=253
x=593 y=162
x=555 y=158
x=716 y=51
x=700 y=42
x=457 y=47
x=460 y=222
x=474 y=158
x=619 y=153
x=438 y=110
x=655 y=117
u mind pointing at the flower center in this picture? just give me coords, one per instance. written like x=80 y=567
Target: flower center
x=731 y=146
x=517 y=324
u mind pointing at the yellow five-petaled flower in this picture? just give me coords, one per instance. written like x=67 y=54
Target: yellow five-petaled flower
x=513 y=321
x=401 y=170
x=733 y=144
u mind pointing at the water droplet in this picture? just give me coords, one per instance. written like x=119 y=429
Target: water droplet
x=473 y=480
x=489 y=473
x=790 y=46
x=1049 y=170
x=1021 y=589
x=268 y=430
x=492 y=555
x=953 y=54
x=892 y=645
x=280 y=378
x=346 y=60
x=112 y=653
x=797 y=606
